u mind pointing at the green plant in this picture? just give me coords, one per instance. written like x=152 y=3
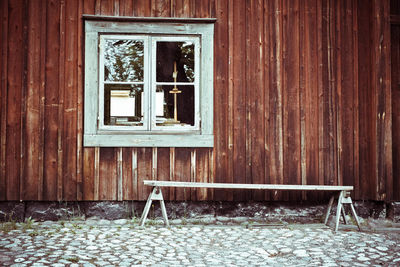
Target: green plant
x=28 y=224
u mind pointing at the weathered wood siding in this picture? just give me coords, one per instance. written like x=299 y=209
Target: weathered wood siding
x=302 y=94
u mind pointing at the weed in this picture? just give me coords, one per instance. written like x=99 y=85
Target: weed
x=34 y=233
x=184 y=221
x=8 y=226
x=73 y=259
x=28 y=224
x=76 y=226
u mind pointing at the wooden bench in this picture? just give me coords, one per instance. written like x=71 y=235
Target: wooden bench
x=343 y=193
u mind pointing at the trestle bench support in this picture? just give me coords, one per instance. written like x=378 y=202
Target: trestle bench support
x=343 y=198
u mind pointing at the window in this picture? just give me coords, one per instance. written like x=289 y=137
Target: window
x=148 y=82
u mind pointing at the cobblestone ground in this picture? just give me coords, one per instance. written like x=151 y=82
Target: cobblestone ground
x=122 y=243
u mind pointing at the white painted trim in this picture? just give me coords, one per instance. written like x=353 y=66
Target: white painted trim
x=97 y=134
x=248 y=186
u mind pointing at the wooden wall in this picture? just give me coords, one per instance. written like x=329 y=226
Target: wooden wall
x=302 y=96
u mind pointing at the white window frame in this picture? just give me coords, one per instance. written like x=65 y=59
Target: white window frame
x=148 y=135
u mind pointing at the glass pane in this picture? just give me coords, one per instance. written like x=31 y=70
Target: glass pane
x=177 y=56
x=174 y=106
x=123 y=104
x=123 y=60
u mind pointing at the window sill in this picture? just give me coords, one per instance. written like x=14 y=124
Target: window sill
x=165 y=140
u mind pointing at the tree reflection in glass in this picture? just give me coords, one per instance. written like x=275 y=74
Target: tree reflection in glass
x=123 y=60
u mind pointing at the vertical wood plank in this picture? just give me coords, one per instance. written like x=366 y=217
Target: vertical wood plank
x=141 y=8
x=202 y=172
x=356 y=118
x=15 y=70
x=127 y=175
x=291 y=101
x=144 y=162
x=126 y=7
x=97 y=173
x=108 y=180
x=160 y=8
x=310 y=172
x=89 y=176
x=223 y=89
x=275 y=98
x=255 y=90
x=135 y=189
x=329 y=118
x=3 y=97
x=172 y=172
x=182 y=172
x=32 y=128
x=70 y=102
x=180 y=8
x=202 y=8
x=61 y=86
x=367 y=108
x=120 y=173
x=381 y=82
x=395 y=74
x=107 y=7
x=163 y=168
x=267 y=48
x=239 y=96
x=193 y=177
x=346 y=101
x=43 y=55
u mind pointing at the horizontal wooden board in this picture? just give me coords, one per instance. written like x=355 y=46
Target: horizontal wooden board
x=248 y=186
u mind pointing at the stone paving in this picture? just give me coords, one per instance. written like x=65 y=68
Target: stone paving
x=124 y=243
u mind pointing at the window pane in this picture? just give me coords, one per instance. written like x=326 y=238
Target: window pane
x=123 y=60
x=180 y=54
x=166 y=105
x=123 y=104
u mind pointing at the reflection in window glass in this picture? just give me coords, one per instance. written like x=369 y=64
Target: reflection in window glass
x=123 y=104
x=180 y=52
x=184 y=105
x=123 y=60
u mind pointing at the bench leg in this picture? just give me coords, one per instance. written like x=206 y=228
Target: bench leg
x=344 y=215
x=154 y=195
x=338 y=210
x=146 y=209
x=347 y=200
x=328 y=212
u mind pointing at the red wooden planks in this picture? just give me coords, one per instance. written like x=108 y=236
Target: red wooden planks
x=291 y=101
x=3 y=97
x=366 y=100
x=255 y=90
x=144 y=165
x=108 y=174
x=310 y=101
x=32 y=128
x=182 y=172
x=15 y=70
x=239 y=95
x=70 y=102
x=275 y=97
x=223 y=152
x=395 y=74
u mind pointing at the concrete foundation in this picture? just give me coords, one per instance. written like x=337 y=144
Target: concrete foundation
x=210 y=212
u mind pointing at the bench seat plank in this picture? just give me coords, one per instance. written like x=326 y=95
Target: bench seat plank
x=248 y=186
